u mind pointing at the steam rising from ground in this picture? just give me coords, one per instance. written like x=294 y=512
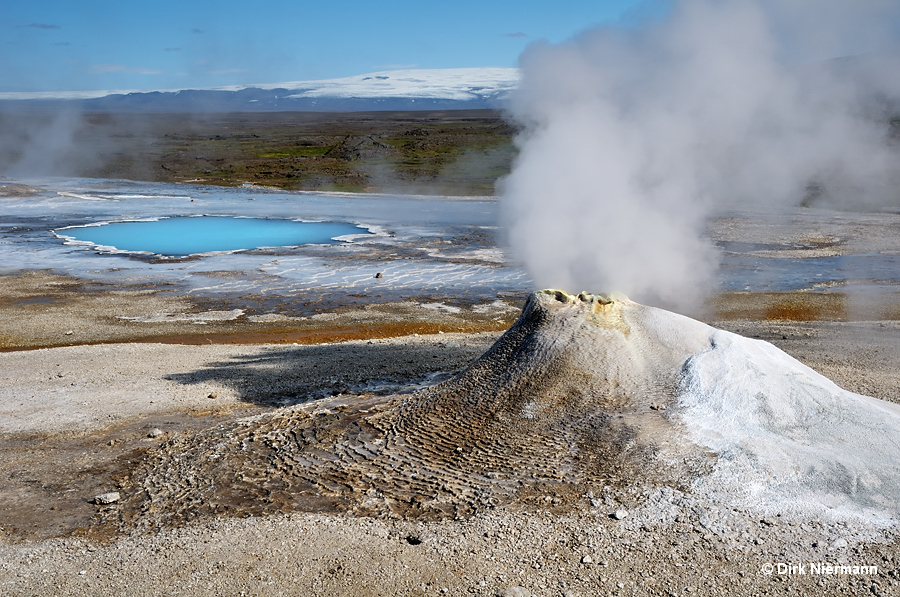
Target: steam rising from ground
x=634 y=136
x=43 y=143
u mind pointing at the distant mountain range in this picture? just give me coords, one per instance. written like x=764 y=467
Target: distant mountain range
x=422 y=89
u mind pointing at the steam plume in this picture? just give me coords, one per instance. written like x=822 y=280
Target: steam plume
x=633 y=137
x=41 y=143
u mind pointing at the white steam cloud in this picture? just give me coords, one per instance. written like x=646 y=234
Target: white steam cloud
x=634 y=136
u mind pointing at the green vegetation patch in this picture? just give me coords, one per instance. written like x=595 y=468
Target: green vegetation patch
x=455 y=152
x=297 y=152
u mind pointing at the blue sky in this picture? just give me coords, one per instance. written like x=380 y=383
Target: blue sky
x=88 y=45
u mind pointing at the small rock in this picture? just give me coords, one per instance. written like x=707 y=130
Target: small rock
x=839 y=543
x=213 y=395
x=587 y=560
x=69 y=333
x=620 y=514
x=596 y=503
x=107 y=498
x=155 y=432
x=517 y=591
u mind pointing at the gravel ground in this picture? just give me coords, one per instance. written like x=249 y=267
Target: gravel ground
x=66 y=438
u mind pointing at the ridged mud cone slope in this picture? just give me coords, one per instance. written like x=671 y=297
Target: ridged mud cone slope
x=581 y=393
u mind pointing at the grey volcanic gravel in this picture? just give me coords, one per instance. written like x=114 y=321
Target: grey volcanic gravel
x=316 y=554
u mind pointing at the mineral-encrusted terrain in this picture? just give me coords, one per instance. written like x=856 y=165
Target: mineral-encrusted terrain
x=305 y=499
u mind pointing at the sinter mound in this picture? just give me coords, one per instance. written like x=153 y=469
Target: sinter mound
x=581 y=393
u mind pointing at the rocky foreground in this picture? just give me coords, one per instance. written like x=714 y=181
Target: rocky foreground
x=388 y=518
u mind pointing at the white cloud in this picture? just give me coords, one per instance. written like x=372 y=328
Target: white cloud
x=121 y=68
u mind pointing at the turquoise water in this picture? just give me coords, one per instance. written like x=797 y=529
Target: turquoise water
x=205 y=234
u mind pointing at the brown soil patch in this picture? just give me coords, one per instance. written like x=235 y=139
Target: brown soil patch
x=50 y=479
x=331 y=333
x=42 y=309
x=796 y=306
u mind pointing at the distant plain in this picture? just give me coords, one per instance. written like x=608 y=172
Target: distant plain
x=451 y=152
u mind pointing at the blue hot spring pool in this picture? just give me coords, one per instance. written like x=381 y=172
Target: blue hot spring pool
x=180 y=236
